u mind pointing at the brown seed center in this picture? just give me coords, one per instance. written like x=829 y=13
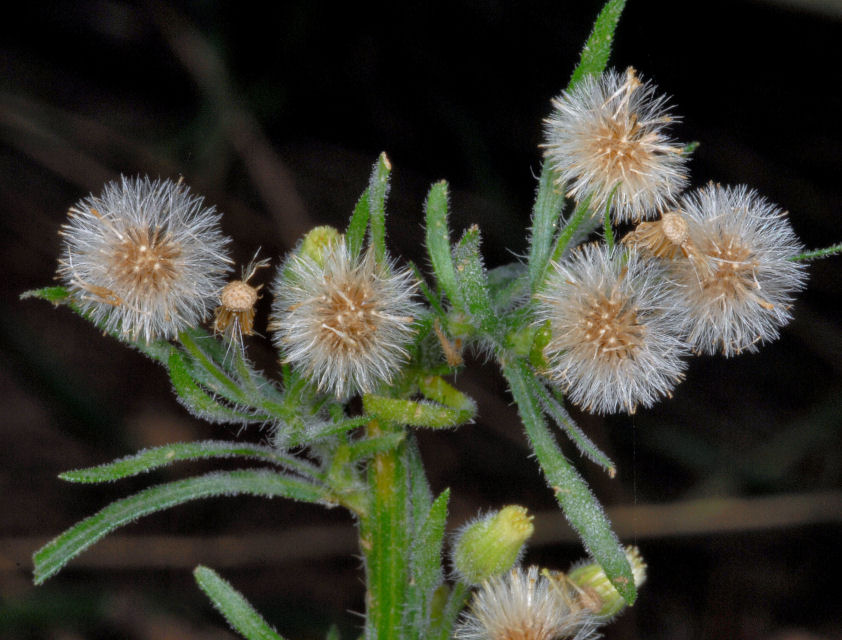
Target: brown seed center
x=612 y=329
x=348 y=317
x=145 y=260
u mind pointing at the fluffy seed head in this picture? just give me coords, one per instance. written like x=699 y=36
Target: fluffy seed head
x=607 y=139
x=345 y=320
x=739 y=281
x=145 y=258
x=523 y=605
x=615 y=329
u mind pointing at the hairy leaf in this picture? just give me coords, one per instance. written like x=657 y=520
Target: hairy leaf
x=239 y=613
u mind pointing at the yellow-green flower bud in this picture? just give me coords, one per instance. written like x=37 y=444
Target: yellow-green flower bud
x=597 y=592
x=491 y=544
x=317 y=241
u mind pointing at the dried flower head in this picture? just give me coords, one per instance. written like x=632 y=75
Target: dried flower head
x=739 y=281
x=607 y=139
x=145 y=258
x=615 y=329
x=345 y=320
x=666 y=238
x=523 y=605
x=235 y=314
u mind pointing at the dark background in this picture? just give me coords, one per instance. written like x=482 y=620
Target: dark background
x=276 y=114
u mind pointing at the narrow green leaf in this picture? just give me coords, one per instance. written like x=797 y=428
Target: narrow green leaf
x=432 y=299
x=378 y=189
x=607 y=228
x=444 y=620
x=546 y=213
x=558 y=413
x=426 y=566
x=223 y=378
x=508 y=285
x=330 y=429
x=690 y=148
x=333 y=633
x=200 y=403
x=420 y=494
x=438 y=243
x=149 y=459
x=233 y=606
x=417 y=413
x=598 y=46
x=56 y=295
x=580 y=507
x=436 y=389
x=367 y=447
x=473 y=282
x=355 y=234
x=54 y=555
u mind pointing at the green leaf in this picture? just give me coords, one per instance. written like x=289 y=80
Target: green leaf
x=367 y=447
x=355 y=234
x=555 y=409
x=426 y=566
x=473 y=282
x=333 y=633
x=420 y=494
x=438 y=243
x=200 y=403
x=546 y=213
x=56 y=295
x=54 y=555
x=150 y=459
x=449 y=407
x=580 y=507
x=239 y=613
x=508 y=285
x=444 y=620
x=598 y=46
x=378 y=189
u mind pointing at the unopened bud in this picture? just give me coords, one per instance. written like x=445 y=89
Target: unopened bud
x=597 y=592
x=492 y=544
x=318 y=241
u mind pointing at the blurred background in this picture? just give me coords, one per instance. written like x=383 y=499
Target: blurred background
x=276 y=114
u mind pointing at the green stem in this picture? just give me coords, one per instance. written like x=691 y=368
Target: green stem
x=570 y=228
x=384 y=538
x=818 y=253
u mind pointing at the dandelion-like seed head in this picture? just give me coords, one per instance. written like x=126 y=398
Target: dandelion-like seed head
x=739 y=282
x=607 y=139
x=615 y=329
x=234 y=316
x=145 y=258
x=524 y=605
x=345 y=320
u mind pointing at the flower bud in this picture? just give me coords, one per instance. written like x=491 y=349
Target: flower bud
x=597 y=592
x=317 y=240
x=491 y=544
